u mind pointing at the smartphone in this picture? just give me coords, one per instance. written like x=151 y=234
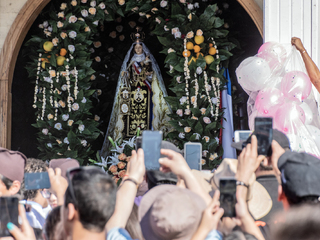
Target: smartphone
x=8 y=213
x=138 y=143
x=151 y=145
x=192 y=154
x=228 y=188
x=241 y=135
x=39 y=180
x=263 y=131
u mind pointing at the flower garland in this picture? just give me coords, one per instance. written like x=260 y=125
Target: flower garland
x=186 y=73
x=196 y=87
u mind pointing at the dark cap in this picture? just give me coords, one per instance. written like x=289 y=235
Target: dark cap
x=300 y=174
x=278 y=136
x=64 y=164
x=12 y=164
x=170 y=146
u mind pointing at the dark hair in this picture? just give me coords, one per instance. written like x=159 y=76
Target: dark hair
x=133 y=225
x=51 y=223
x=298 y=223
x=38 y=234
x=32 y=166
x=6 y=181
x=95 y=193
x=239 y=235
x=294 y=200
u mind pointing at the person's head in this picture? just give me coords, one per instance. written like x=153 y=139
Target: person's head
x=35 y=166
x=12 y=165
x=266 y=164
x=89 y=200
x=170 y=212
x=298 y=223
x=52 y=228
x=133 y=225
x=155 y=177
x=138 y=48
x=300 y=177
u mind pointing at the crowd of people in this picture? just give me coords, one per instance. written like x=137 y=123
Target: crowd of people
x=277 y=197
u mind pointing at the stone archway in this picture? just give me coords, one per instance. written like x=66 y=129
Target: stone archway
x=13 y=42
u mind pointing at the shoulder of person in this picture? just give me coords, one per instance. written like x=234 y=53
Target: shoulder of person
x=118 y=234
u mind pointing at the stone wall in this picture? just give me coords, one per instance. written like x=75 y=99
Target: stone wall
x=8 y=12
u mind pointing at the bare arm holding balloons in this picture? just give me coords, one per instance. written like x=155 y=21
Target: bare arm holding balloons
x=312 y=69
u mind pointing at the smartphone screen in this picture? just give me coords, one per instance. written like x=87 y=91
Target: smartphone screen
x=263 y=132
x=151 y=145
x=228 y=199
x=192 y=154
x=39 y=180
x=8 y=213
x=138 y=143
x=241 y=135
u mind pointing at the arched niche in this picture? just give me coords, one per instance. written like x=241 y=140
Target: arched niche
x=12 y=45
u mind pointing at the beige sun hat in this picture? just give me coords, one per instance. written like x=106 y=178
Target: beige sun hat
x=259 y=200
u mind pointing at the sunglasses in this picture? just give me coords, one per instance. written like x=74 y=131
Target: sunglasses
x=45 y=193
x=72 y=172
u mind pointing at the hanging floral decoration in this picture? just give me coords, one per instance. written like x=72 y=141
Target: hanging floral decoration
x=193 y=39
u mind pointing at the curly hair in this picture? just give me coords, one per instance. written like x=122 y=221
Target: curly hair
x=32 y=166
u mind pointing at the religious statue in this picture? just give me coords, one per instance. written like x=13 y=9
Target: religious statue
x=139 y=100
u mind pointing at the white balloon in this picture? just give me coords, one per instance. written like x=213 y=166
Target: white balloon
x=295 y=142
x=307 y=112
x=314 y=134
x=253 y=74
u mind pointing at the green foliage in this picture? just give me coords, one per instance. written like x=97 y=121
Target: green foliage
x=60 y=137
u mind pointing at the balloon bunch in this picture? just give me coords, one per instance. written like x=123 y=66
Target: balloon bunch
x=278 y=87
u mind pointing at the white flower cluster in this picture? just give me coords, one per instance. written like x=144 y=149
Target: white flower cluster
x=186 y=73
x=36 y=87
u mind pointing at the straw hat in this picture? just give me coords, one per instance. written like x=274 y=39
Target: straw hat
x=259 y=200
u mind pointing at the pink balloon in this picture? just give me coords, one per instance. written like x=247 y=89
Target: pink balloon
x=289 y=118
x=296 y=85
x=274 y=53
x=268 y=101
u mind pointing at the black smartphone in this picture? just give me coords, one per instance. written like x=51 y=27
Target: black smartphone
x=39 y=180
x=8 y=213
x=138 y=143
x=228 y=188
x=151 y=145
x=263 y=132
x=192 y=154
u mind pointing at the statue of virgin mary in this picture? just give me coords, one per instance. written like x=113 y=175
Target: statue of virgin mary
x=139 y=100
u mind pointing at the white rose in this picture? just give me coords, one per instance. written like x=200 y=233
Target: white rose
x=72 y=34
x=190 y=6
x=63 y=6
x=45 y=131
x=64 y=87
x=75 y=107
x=214 y=100
x=93 y=3
x=163 y=3
x=84 y=143
x=84 y=13
x=183 y=100
x=177 y=35
x=181 y=135
x=71 y=48
x=65 y=140
x=72 y=19
x=102 y=6
x=65 y=117
x=81 y=128
x=199 y=70
x=58 y=126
